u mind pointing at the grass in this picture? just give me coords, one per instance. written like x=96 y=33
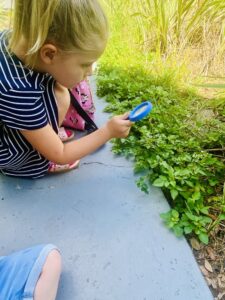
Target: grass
x=181 y=33
x=4 y=18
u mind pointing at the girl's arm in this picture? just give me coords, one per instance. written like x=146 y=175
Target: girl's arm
x=47 y=142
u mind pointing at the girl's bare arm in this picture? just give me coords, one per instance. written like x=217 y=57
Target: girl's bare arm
x=47 y=142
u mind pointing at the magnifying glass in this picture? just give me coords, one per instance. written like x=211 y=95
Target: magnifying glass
x=140 y=111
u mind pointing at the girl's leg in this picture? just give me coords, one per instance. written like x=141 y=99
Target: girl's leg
x=63 y=101
x=47 y=285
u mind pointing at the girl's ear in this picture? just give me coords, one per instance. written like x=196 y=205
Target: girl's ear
x=48 y=52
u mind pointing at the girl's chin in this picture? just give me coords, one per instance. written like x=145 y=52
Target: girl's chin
x=72 y=85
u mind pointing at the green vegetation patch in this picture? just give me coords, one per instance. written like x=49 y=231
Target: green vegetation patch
x=179 y=147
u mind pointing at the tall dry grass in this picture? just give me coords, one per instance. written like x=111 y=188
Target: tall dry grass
x=4 y=17
x=190 y=32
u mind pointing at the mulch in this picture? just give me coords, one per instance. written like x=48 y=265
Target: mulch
x=211 y=260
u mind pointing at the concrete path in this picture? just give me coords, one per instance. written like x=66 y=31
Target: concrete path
x=113 y=242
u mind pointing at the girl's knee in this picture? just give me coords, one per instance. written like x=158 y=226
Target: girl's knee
x=47 y=284
x=53 y=262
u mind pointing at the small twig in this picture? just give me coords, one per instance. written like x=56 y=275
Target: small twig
x=216 y=149
x=221 y=224
x=220 y=156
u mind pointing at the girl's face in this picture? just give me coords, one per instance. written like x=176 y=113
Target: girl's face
x=70 y=69
x=67 y=68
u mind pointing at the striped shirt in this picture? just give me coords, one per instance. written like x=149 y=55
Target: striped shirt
x=27 y=102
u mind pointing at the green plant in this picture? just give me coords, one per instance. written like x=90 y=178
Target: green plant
x=170 y=147
x=154 y=47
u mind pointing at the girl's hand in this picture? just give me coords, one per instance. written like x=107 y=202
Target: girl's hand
x=119 y=126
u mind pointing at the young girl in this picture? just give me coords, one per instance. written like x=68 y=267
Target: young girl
x=51 y=48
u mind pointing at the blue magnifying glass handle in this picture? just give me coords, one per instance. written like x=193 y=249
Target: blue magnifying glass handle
x=140 y=111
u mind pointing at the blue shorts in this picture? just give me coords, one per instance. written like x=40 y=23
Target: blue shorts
x=20 y=271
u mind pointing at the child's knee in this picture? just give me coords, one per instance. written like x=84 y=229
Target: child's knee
x=53 y=262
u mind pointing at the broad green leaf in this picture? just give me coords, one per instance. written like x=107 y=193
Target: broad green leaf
x=178 y=231
x=174 y=194
x=174 y=213
x=222 y=217
x=196 y=196
x=165 y=216
x=204 y=238
x=188 y=229
x=160 y=182
x=190 y=216
x=204 y=210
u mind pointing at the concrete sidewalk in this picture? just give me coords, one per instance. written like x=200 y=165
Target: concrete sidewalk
x=113 y=242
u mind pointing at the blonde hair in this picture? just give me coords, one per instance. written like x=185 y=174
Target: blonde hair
x=72 y=25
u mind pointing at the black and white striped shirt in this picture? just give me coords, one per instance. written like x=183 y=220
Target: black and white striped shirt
x=27 y=102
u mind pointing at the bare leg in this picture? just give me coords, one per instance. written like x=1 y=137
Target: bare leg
x=47 y=285
x=63 y=101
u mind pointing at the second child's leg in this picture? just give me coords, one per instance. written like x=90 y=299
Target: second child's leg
x=47 y=285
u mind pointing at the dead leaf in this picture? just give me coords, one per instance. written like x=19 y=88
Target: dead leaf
x=209 y=281
x=219 y=282
x=214 y=284
x=211 y=253
x=220 y=296
x=208 y=266
x=195 y=244
x=204 y=271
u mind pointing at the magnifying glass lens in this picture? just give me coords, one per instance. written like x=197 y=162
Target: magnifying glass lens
x=140 y=111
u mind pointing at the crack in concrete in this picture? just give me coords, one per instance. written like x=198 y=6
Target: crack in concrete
x=106 y=165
